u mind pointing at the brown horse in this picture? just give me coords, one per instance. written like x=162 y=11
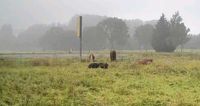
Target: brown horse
x=145 y=61
x=113 y=55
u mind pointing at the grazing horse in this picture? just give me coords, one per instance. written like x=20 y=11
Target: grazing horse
x=98 y=65
x=91 y=57
x=113 y=55
x=93 y=65
x=103 y=65
x=145 y=61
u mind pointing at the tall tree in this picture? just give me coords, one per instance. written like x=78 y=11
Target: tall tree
x=144 y=35
x=169 y=35
x=56 y=38
x=178 y=31
x=29 y=39
x=117 y=32
x=160 y=37
x=7 y=38
x=94 y=38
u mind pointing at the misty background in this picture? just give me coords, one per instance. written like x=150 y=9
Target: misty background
x=42 y=25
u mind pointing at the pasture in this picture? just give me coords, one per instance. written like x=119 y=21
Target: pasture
x=171 y=80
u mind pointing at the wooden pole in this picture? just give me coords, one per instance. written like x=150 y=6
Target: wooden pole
x=80 y=38
x=79 y=33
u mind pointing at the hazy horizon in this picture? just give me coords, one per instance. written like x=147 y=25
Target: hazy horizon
x=23 y=13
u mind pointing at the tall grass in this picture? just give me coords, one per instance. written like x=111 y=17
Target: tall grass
x=171 y=80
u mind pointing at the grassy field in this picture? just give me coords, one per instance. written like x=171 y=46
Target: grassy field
x=171 y=80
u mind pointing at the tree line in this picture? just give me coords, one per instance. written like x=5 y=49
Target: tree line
x=166 y=36
x=105 y=33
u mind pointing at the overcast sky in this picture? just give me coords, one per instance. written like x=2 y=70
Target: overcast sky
x=22 y=13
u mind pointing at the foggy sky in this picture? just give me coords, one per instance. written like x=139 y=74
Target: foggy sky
x=23 y=13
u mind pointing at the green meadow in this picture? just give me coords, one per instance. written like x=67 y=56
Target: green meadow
x=173 y=79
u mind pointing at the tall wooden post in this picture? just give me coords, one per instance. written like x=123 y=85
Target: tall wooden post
x=81 y=38
x=79 y=34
